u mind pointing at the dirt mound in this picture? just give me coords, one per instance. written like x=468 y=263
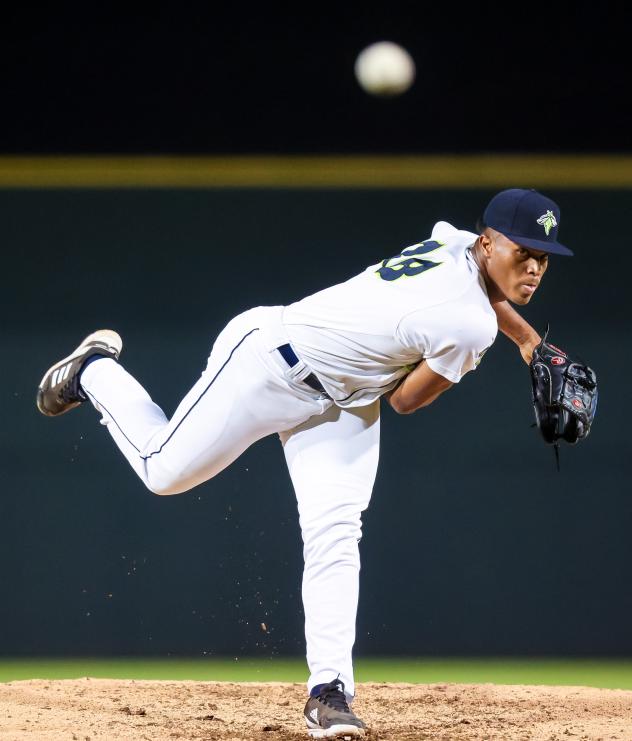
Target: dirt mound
x=89 y=709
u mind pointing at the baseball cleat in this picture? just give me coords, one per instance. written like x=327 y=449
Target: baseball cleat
x=328 y=715
x=59 y=390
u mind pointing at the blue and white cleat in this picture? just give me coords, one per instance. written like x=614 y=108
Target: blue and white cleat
x=328 y=715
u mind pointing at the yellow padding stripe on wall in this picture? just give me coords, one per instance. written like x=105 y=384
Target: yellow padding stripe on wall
x=314 y=171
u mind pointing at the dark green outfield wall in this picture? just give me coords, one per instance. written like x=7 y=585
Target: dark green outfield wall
x=473 y=544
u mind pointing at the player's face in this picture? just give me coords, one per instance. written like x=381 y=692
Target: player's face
x=516 y=270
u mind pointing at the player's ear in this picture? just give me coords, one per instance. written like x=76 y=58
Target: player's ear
x=485 y=243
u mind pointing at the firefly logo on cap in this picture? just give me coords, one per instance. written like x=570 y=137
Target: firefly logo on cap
x=548 y=221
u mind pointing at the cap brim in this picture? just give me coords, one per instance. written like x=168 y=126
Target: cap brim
x=554 y=247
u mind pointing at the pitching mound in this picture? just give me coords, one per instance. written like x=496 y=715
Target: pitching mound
x=92 y=709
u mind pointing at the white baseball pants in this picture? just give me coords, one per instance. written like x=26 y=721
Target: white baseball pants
x=247 y=392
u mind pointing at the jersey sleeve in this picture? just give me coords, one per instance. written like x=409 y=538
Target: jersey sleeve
x=452 y=342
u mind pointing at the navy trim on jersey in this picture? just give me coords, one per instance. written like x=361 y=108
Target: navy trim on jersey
x=155 y=452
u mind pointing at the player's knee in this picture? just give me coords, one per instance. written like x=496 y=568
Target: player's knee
x=163 y=484
x=165 y=490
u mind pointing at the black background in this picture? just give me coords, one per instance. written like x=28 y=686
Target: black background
x=239 y=78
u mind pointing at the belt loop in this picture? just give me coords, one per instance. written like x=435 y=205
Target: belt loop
x=288 y=354
x=292 y=359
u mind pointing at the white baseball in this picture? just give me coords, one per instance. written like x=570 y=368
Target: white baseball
x=385 y=69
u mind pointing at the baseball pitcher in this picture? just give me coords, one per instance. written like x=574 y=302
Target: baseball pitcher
x=314 y=372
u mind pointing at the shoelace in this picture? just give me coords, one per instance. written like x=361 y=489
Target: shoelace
x=332 y=694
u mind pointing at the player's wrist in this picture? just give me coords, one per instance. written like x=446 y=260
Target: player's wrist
x=528 y=345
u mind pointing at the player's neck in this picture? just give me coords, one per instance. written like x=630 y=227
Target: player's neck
x=494 y=294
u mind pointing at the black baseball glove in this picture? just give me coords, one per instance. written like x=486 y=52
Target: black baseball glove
x=564 y=394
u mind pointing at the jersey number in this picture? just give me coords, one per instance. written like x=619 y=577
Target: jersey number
x=409 y=262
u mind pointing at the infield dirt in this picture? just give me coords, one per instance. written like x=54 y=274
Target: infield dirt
x=87 y=709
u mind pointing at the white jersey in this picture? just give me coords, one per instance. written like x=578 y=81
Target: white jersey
x=428 y=303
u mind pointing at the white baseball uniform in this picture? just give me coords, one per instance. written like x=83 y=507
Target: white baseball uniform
x=359 y=338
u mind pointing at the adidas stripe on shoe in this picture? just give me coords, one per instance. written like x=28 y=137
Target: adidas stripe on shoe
x=59 y=390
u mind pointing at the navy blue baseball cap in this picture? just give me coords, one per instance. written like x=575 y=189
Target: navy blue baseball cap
x=527 y=218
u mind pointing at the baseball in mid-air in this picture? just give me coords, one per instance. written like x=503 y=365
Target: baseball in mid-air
x=385 y=69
